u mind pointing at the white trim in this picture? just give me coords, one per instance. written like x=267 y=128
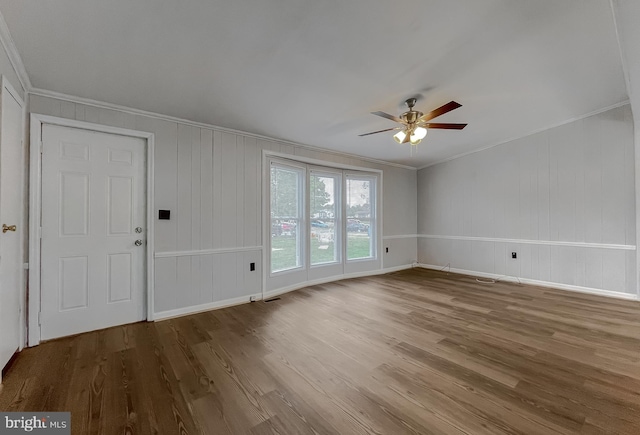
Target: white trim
x=130 y=110
x=35 y=202
x=401 y=236
x=540 y=130
x=206 y=252
x=303 y=203
x=22 y=285
x=636 y=137
x=376 y=200
x=179 y=312
x=151 y=231
x=35 y=210
x=287 y=289
x=532 y=242
x=14 y=56
x=265 y=220
x=554 y=285
x=293 y=159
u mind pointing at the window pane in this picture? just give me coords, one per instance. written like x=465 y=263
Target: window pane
x=360 y=218
x=286 y=205
x=323 y=213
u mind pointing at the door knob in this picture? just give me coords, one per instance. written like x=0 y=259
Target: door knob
x=6 y=228
x=138 y=242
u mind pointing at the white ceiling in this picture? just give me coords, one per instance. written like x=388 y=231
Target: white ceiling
x=310 y=71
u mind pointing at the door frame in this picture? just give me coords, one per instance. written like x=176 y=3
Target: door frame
x=35 y=211
x=6 y=86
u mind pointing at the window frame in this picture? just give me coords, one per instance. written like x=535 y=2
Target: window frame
x=338 y=176
x=307 y=271
x=301 y=248
x=373 y=222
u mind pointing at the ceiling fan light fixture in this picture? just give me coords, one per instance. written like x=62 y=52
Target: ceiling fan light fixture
x=399 y=136
x=418 y=134
x=415 y=123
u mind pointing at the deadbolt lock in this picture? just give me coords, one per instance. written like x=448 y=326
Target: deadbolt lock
x=138 y=230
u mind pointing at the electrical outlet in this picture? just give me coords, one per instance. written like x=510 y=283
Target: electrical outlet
x=252 y=267
x=514 y=255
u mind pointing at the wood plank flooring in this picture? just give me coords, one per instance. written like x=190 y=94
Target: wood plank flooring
x=413 y=352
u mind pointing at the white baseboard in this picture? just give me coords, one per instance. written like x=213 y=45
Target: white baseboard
x=554 y=285
x=178 y=312
x=273 y=293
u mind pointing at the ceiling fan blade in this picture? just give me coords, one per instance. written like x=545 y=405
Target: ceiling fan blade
x=452 y=105
x=379 y=131
x=386 y=115
x=446 y=126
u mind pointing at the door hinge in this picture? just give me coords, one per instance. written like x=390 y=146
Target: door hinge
x=40 y=318
x=39 y=232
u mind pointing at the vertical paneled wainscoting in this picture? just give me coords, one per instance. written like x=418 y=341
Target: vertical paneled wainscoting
x=591 y=268
x=210 y=179
x=563 y=200
x=202 y=280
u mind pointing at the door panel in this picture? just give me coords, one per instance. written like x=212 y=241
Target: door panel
x=74 y=204
x=11 y=203
x=120 y=205
x=119 y=269
x=93 y=198
x=74 y=282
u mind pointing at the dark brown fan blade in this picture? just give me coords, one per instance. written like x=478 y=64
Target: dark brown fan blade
x=446 y=126
x=391 y=117
x=452 y=105
x=379 y=131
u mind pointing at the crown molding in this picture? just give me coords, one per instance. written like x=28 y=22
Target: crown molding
x=540 y=130
x=132 y=111
x=14 y=57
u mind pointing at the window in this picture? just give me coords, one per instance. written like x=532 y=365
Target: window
x=320 y=217
x=361 y=217
x=324 y=217
x=286 y=217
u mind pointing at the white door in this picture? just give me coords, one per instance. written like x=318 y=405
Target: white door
x=93 y=231
x=11 y=204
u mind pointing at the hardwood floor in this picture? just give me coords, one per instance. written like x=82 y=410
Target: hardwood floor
x=415 y=352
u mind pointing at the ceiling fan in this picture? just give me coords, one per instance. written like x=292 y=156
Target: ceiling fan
x=415 y=123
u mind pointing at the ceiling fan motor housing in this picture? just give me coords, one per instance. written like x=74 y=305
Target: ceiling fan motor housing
x=411 y=116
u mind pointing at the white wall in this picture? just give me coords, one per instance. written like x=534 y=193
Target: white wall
x=563 y=199
x=6 y=69
x=211 y=182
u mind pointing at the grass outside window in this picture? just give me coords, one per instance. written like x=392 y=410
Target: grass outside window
x=283 y=250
